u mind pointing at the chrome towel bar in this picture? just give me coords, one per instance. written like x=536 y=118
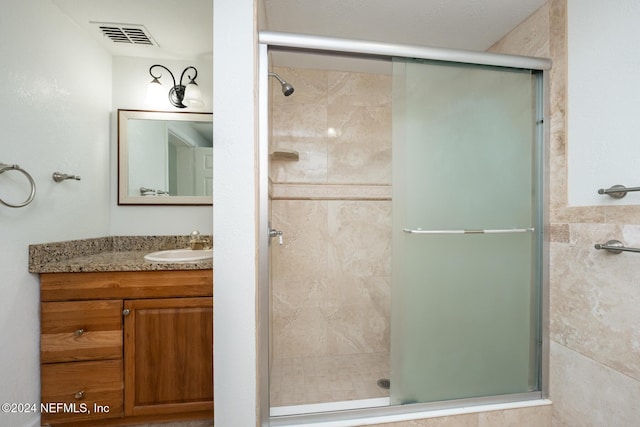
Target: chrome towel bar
x=495 y=231
x=615 y=247
x=32 y=193
x=617 y=191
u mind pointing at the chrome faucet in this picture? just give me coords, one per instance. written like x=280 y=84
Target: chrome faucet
x=198 y=242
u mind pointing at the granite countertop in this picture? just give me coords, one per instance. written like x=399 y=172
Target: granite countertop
x=115 y=253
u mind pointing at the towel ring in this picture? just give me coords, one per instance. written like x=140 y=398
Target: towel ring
x=32 y=194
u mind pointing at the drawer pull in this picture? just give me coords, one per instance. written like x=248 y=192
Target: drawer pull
x=79 y=332
x=126 y=312
x=79 y=395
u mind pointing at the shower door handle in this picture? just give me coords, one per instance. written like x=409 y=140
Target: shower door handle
x=276 y=233
x=492 y=231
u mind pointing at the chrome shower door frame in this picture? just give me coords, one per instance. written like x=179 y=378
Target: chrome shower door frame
x=357 y=47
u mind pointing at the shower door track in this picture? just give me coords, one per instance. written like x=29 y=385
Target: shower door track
x=305 y=42
x=332 y=44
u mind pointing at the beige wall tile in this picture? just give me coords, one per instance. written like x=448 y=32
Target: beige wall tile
x=299 y=123
x=304 y=254
x=331 y=192
x=338 y=122
x=299 y=331
x=469 y=420
x=359 y=147
x=595 y=297
x=333 y=271
x=622 y=214
x=334 y=267
x=588 y=394
x=357 y=328
x=301 y=128
x=370 y=291
x=359 y=238
x=539 y=416
x=359 y=89
x=530 y=38
x=310 y=86
x=559 y=233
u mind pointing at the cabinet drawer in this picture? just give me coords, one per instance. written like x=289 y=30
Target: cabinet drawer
x=125 y=284
x=82 y=390
x=80 y=330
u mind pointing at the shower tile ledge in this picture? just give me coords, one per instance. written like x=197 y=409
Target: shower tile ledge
x=306 y=191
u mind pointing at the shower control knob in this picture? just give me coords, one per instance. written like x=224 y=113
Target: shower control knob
x=273 y=233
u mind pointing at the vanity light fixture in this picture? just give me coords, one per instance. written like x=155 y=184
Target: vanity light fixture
x=180 y=96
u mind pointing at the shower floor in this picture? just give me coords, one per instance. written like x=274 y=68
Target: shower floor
x=309 y=380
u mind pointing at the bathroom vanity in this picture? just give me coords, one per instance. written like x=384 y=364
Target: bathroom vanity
x=129 y=343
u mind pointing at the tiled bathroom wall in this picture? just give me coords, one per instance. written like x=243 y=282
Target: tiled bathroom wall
x=339 y=122
x=331 y=277
x=330 y=284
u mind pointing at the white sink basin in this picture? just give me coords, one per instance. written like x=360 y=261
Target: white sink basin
x=180 y=255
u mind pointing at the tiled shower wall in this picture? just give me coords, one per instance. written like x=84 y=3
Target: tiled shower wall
x=331 y=277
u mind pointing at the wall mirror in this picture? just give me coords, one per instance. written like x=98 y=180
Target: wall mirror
x=165 y=158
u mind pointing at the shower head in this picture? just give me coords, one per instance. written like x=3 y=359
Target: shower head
x=287 y=89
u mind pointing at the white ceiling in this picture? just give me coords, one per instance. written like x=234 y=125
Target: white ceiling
x=183 y=29
x=459 y=24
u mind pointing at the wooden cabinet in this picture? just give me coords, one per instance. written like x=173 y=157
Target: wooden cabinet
x=168 y=355
x=127 y=347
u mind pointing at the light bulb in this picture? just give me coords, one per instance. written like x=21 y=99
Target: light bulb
x=193 y=95
x=155 y=93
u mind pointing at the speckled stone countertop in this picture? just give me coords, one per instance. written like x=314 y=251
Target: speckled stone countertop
x=115 y=253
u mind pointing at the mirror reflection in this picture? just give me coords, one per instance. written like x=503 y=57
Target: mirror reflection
x=165 y=158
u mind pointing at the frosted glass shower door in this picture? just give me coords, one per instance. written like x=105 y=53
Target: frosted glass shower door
x=465 y=232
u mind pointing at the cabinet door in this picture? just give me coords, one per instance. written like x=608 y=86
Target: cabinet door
x=168 y=356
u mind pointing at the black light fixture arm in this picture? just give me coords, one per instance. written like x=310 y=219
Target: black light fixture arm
x=160 y=75
x=176 y=93
x=191 y=79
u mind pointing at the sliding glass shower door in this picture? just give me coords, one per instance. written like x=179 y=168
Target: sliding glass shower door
x=466 y=231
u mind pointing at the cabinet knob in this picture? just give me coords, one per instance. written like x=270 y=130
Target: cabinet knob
x=79 y=332
x=79 y=395
x=126 y=312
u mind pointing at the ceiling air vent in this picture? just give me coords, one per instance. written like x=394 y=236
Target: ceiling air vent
x=126 y=33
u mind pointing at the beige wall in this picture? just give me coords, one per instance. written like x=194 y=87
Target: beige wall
x=331 y=278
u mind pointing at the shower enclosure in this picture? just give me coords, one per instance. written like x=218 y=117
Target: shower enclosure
x=424 y=264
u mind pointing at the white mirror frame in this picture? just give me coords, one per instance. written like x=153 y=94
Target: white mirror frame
x=124 y=198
